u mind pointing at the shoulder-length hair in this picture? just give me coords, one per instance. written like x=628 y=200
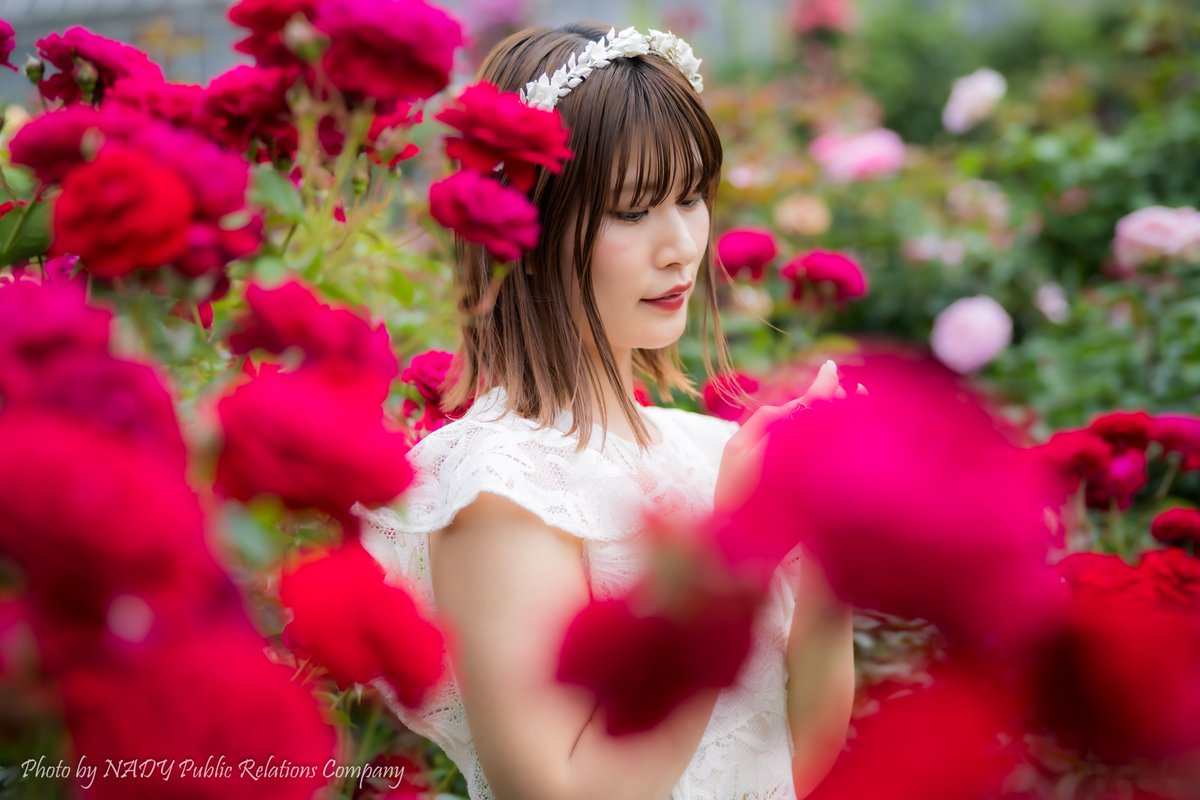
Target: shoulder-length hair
x=638 y=114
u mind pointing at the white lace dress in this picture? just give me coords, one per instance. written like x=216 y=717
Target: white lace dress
x=746 y=750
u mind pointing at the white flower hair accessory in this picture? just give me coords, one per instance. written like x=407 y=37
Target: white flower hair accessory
x=546 y=91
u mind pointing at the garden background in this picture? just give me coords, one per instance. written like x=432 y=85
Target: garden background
x=1011 y=190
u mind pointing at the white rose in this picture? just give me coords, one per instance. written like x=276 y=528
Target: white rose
x=970 y=332
x=972 y=99
x=1051 y=300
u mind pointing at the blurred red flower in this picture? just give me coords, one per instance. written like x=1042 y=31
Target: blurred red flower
x=357 y=626
x=266 y=20
x=1175 y=576
x=430 y=372
x=311 y=439
x=1123 y=477
x=176 y=103
x=1178 y=434
x=246 y=104
x=77 y=48
x=482 y=210
x=497 y=128
x=746 y=250
x=209 y=700
x=717 y=390
x=821 y=267
x=292 y=316
x=940 y=742
x=387 y=51
x=1177 y=526
x=1076 y=456
x=1124 y=430
x=122 y=212
x=8 y=43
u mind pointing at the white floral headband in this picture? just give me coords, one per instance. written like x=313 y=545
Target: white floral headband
x=546 y=91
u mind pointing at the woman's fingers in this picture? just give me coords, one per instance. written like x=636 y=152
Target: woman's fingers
x=825 y=386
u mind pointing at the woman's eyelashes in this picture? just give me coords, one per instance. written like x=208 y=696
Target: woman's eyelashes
x=690 y=202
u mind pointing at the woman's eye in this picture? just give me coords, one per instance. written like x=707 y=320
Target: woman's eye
x=692 y=202
x=629 y=216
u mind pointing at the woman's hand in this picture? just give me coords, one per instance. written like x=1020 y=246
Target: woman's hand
x=741 y=462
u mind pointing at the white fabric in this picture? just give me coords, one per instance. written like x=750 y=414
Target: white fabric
x=745 y=752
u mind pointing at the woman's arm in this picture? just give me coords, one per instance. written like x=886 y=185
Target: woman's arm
x=507 y=585
x=820 y=691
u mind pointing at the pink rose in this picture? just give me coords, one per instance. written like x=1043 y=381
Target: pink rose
x=1155 y=234
x=746 y=250
x=972 y=99
x=482 y=210
x=970 y=332
x=873 y=154
x=497 y=128
x=390 y=51
x=1123 y=478
x=826 y=268
x=1123 y=430
x=357 y=626
x=78 y=48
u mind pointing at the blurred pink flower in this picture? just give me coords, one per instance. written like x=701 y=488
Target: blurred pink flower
x=1177 y=526
x=873 y=154
x=1178 y=434
x=972 y=99
x=1156 y=234
x=823 y=267
x=746 y=250
x=808 y=16
x=970 y=332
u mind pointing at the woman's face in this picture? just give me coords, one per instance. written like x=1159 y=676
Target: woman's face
x=643 y=253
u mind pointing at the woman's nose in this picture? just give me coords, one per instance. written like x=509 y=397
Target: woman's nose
x=676 y=244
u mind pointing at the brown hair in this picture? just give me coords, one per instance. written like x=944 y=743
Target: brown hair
x=638 y=113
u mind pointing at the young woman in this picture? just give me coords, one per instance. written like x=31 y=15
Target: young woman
x=528 y=505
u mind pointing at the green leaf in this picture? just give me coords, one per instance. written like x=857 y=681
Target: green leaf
x=276 y=192
x=33 y=238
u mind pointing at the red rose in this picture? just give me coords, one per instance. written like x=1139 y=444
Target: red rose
x=124 y=398
x=641 y=394
x=246 y=104
x=88 y=517
x=291 y=316
x=748 y=249
x=1178 y=434
x=49 y=144
x=414 y=785
x=389 y=51
x=358 y=627
x=481 y=210
x=914 y=502
x=1175 y=576
x=943 y=742
x=1177 y=526
x=716 y=395
x=266 y=19
x=1076 y=456
x=106 y=59
x=1105 y=578
x=8 y=43
x=1123 y=430
x=122 y=212
x=821 y=267
x=210 y=700
x=176 y=103
x=1121 y=683
x=1124 y=477
x=311 y=439
x=385 y=145
x=39 y=322
x=498 y=128
x=430 y=373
